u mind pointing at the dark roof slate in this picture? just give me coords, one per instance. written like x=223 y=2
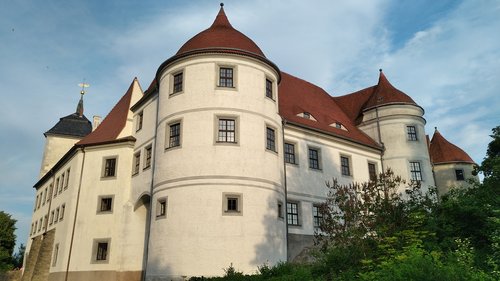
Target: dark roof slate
x=71 y=125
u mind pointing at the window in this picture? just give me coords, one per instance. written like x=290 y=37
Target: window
x=226 y=130
x=137 y=163
x=36 y=224
x=292 y=213
x=44 y=196
x=40 y=224
x=317 y=216
x=140 y=118
x=415 y=171
x=63 y=182
x=175 y=135
x=226 y=77
x=147 y=157
x=412 y=133
x=56 y=215
x=67 y=179
x=307 y=115
x=56 y=252
x=161 y=207
x=177 y=83
x=270 y=139
x=280 y=209
x=44 y=221
x=39 y=199
x=109 y=167
x=290 y=153
x=269 y=89
x=51 y=217
x=314 y=158
x=51 y=186
x=232 y=204
x=101 y=250
x=345 y=166
x=106 y=204
x=372 y=171
x=459 y=174
x=55 y=191
x=61 y=215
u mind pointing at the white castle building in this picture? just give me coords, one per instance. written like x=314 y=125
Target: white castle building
x=222 y=160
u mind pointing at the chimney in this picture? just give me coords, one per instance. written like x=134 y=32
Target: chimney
x=97 y=122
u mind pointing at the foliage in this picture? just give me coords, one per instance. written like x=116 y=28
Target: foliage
x=7 y=240
x=18 y=257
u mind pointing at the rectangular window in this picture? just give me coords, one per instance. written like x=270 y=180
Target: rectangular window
x=226 y=77
x=292 y=213
x=140 y=118
x=51 y=217
x=40 y=224
x=290 y=153
x=147 y=157
x=226 y=130
x=415 y=171
x=345 y=166
x=137 y=163
x=67 y=179
x=51 y=186
x=56 y=252
x=44 y=197
x=317 y=216
x=269 y=89
x=412 y=133
x=161 y=207
x=175 y=135
x=39 y=199
x=372 y=171
x=55 y=191
x=459 y=174
x=314 y=158
x=61 y=215
x=56 y=215
x=232 y=204
x=177 y=83
x=270 y=139
x=109 y=167
x=102 y=251
x=63 y=182
x=106 y=204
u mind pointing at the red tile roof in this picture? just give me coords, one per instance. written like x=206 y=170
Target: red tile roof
x=297 y=96
x=379 y=95
x=443 y=152
x=221 y=35
x=113 y=124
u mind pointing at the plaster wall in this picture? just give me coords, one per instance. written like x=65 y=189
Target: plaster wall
x=55 y=147
x=446 y=177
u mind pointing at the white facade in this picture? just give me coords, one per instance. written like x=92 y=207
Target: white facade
x=205 y=170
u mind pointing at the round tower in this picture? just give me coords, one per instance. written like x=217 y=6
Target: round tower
x=393 y=119
x=219 y=171
x=452 y=166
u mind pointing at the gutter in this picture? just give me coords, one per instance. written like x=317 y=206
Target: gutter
x=285 y=215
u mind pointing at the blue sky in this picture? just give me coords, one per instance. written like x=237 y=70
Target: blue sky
x=444 y=54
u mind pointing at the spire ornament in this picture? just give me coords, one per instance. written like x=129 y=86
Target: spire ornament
x=79 y=108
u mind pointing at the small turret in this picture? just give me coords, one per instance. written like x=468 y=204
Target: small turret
x=64 y=134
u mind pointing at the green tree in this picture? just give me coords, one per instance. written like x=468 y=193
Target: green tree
x=7 y=240
x=491 y=163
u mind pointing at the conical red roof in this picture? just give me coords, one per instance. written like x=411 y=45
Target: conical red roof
x=385 y=93
x=442 y=151
x=221 y=35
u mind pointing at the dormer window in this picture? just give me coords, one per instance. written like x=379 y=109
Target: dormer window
x=338 y=125
x=307 y=115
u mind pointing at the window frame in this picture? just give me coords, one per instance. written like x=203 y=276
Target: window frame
x=163 y=201
x=411 y=133
x=177 y=86
x=292 y=215
x=136 y=163
x=100 y=201
x=55 y=254
x=217 y=130
x=95 y=259
x=346 y=165
x=66 y=182
x=316 y=160
x=148 y=157
x=459 y=175
x=238 y=198
x=271 y=140
x=415 y=174
x=170 y=137
x=290 y=155
x=61 y=212
x=280 y=209
x=317 y=216
x=140 y=120
x=372 y=175
x=270 y=89
x=226 y=78
x=105 y=174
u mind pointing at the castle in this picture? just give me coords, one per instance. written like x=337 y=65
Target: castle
x=222 y=160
